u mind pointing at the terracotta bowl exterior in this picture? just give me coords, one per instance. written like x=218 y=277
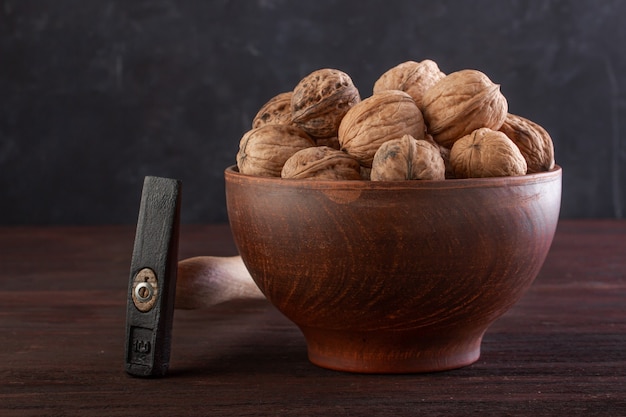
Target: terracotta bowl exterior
x=393 y=277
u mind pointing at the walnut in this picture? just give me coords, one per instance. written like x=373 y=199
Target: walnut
x=330 y=142
x=460 y=103
x=322 y=163
x=276 y=111
x=486 y=153
x=366 y=173
x=387 y=115
x=533 y=141
x=264 y=150
x=411 y=77
x=444 y=152
x=321 y=99
x=407 y=159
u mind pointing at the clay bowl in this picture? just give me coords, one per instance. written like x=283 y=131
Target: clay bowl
x=393 y=277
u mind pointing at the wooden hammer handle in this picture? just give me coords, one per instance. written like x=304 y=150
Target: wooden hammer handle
x=204 y=281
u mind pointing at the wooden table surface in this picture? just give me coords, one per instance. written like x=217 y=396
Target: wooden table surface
x=561 y=351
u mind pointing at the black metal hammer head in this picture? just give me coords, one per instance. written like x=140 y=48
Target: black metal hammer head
x=152 y=283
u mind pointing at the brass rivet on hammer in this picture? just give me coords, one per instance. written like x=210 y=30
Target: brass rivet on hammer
x=145 y=289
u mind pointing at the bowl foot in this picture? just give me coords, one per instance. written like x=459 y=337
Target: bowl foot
x=391 y=351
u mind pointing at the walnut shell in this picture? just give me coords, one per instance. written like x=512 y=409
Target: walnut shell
x=322 y=163
x=387 y=115
x=330 y=142
x=366 y=173
x=264 y=150
x=276 y=110
x=532 y=140
x=462 y=102
x=445 y=154
x=414 y=78
x=321 y=99
x=486 y=153
x=407 y=159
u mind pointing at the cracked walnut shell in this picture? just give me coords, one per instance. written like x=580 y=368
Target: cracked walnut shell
x=532 y=140
x=486 y=153
x=411 y=77
x=407 y=159
x=381 y=117
x=321 y=99
x=263 y=151
x=321 y=163
x=460 y=103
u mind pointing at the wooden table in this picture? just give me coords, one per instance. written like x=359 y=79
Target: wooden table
x=560 y=351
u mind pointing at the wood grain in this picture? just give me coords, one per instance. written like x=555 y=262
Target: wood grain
x=397 y=276
x=559 y=351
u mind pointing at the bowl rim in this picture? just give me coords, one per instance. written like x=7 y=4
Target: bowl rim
x=231 y=173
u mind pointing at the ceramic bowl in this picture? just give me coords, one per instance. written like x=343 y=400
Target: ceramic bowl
x=393 y=277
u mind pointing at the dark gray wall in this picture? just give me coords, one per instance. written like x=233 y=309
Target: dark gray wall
x=95 y=95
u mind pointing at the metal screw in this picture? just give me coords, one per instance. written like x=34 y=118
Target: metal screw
x=145 y=289
x=143 y=292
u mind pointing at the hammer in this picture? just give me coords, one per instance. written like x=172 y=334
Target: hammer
x=159 y=283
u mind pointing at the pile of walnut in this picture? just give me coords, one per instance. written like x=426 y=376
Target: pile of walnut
x=419 y=123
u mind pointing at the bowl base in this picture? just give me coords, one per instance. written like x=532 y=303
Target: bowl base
x=391 y=351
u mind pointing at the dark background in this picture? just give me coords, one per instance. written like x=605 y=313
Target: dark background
x=95 y=95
